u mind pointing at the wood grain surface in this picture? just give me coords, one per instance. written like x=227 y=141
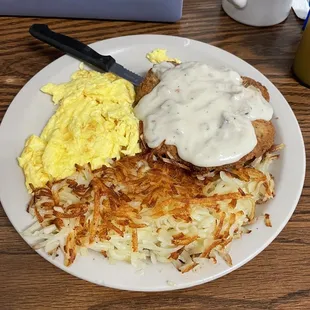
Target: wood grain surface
x=278 y=278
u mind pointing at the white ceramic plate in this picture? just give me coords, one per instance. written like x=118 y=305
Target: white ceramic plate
x=31 y=109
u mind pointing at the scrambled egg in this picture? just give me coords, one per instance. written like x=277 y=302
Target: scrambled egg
x=160 y=55
x=93 y=123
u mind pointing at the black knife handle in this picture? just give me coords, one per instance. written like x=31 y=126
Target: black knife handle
x=71 y=46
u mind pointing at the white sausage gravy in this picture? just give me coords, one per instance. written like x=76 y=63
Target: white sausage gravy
x=204 y=111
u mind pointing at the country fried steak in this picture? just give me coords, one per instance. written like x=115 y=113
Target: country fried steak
x=264 y=130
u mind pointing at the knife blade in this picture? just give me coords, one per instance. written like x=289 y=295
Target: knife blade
x=83 y=52
x=119 y=70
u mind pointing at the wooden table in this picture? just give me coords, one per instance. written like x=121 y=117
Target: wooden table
x=278 y=278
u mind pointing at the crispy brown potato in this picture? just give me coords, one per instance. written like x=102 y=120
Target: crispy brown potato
x=264 y=130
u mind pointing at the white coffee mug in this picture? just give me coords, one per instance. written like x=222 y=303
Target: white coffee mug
x=258 y=12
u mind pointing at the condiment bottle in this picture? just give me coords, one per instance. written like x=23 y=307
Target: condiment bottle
x=301 y=66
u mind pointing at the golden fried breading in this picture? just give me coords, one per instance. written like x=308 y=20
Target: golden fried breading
x=264 y=130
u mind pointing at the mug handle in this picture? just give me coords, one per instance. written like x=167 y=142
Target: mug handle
x=240 y=4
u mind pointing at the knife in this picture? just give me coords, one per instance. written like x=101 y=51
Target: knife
x=83 y=52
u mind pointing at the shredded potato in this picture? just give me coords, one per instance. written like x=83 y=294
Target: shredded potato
x=142 y=208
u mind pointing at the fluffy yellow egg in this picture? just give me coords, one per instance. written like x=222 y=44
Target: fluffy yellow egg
x=93 y=123
x=160 y=55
